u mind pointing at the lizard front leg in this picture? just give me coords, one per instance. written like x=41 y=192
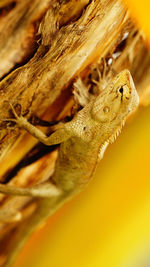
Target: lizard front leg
x=57 y=137
x=41 y=190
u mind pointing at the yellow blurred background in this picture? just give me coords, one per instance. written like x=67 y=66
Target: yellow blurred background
x=141 y=12
x=108 y=225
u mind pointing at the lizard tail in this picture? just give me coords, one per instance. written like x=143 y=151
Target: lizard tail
x=45 y=208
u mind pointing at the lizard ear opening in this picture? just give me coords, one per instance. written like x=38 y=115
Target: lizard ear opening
x=100 y=113
x=106 y=109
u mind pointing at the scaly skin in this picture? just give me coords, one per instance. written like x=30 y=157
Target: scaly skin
x=83 y=141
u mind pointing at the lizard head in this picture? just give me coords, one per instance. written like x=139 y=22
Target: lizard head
x=115 y=102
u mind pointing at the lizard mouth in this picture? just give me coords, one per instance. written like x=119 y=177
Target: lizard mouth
x=113 y=137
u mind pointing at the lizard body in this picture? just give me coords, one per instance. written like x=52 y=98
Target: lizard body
x=82 y=141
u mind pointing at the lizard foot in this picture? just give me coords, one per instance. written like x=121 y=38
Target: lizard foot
x=81 y=94
x=101 y=80
x=6 y=217
x=18 y=119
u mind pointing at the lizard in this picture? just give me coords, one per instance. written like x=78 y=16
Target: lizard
x=83 y=141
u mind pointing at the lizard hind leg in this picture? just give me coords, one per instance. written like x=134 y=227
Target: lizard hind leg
x=45 y=190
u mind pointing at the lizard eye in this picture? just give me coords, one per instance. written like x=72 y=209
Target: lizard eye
x=121 y=90
x=125 y=92
x=106 y=109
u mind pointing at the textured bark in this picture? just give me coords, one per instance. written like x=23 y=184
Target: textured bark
x=44 y=46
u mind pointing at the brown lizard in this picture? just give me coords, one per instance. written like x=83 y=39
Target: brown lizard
x=82 y=142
